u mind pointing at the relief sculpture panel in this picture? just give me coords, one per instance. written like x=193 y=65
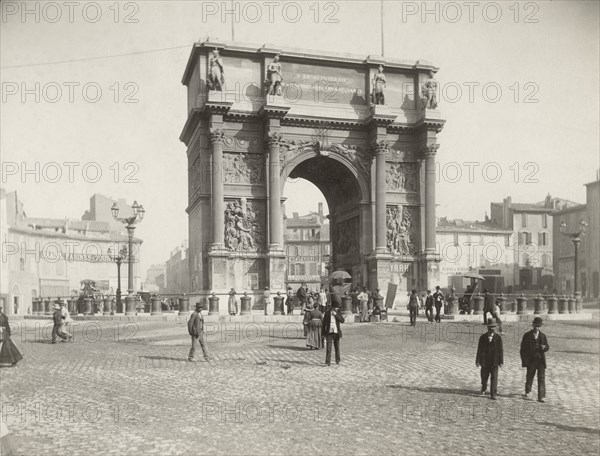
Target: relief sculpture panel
x=243 y=168
x=244 y=226
x=402 y=222
x=346 y=237
x=401 y=177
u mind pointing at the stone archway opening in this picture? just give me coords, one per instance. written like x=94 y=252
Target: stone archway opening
x=343 y=195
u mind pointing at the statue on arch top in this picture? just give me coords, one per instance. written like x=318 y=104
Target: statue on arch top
x=377 y=96
x=429 y=92
x=216 y=72
x=274 y=77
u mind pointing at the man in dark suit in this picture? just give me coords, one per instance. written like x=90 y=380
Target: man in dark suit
x=429 y=306
x=332 y=331
x=196 y=332
x=490 y=356
x=57 y=318
x=438 y=299
x=488 y=305
x=533 y=356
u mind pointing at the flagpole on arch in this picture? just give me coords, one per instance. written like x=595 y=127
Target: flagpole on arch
x=381 y=27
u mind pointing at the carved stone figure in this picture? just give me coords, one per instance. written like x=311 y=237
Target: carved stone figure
x=216 y=72
x=243 y=168
x=429 y=92
x=274 y=77
x=378 y=97
x=401 y=177
x=400 y=230
x=242 y=228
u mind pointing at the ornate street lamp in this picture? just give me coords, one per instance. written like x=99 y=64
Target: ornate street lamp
x=130 y=222
x=576 y=238
x=118 y=258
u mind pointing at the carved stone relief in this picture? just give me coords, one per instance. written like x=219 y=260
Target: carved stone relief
x=243 y=168
x=401 y=177
x=401 y=224
x=244 y=226
x=346 y=237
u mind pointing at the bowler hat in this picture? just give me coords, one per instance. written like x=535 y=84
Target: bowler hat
x=56 y=307
x=198 y=306
x=537 y=321
x=490 y=323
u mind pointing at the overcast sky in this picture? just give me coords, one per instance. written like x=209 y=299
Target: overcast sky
x=540 y=131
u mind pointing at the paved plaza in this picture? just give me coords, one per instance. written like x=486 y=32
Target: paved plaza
x=126 y=388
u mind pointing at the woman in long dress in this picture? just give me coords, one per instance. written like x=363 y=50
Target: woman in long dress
x=9 y=354
x=314 y=321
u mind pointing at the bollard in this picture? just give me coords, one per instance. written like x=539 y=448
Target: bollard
x=522 y=305
x=113 y=305
x=552 y=305
x=106 y=305
x=502 y=304
x=571 y=304
x=578 y=303
x=213 y=304
x=539 y=304
x=346 y=304
x=97 y=306
x=130 y=305
x=34 y=303
x=156 y=306
x=278 y=304
x=246 y=305
x=452 y=307
x=87 y=308
x=72 y=305
x=47 y=307
x=184 y=305
x=478 y=301
x=563 y=305
x=513 y=306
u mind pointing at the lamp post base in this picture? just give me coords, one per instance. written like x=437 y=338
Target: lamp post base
x=130 y=302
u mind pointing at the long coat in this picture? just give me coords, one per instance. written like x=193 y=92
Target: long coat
x=327 y=322
x=488 y=302
x=490 y=354
x=530 y=348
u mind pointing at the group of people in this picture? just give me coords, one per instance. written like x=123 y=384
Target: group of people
x=490 y=357
x=322 y=328
x=436 y=300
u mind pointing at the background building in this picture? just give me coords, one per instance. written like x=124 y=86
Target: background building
x=47 y=257
x=480 y=247
x=155 y=276
x=589 y=248
x=308 y=247
x=532 y=227
x=176 y=276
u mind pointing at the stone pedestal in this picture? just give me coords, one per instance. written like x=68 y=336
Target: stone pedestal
x=521 y=305
x=452 y=305
x=552 y=305
x=513 y=306
x=107 y=306
x=502 y=304
x=571 y=304
x=87 y=308
x=278 y=300
x=72 y=306
x=478 y=304
x=213 y=305
x=246 y=305
x=130 y=305
x=578 y=303
x=563 y=305
x=379 y=270
x=277 y=267
x=539 y=305
x=156 y=306
x=184 y=305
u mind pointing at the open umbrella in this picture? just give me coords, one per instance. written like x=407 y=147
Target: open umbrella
x=472 y=275
x=340 y=275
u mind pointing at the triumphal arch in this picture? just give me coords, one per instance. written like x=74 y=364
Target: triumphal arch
x=362 y=129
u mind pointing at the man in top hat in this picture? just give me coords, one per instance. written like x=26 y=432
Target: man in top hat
x=533 y=356
x=490 y=356
x=57 y=318
x=196 y=331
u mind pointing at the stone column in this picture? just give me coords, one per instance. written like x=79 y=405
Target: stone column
x=156 y=306
x=502 y=304
x=522 y=305
x=478 y=304
x=571 y=304
x=552 y=305
x=217 y=203
x=213 y=305
x=539 y=304
x=246 y=304
x=563 y=305
x=107 y=306
x=273 y=140
x=380 y=201
x=429 y=153
x=184 y=305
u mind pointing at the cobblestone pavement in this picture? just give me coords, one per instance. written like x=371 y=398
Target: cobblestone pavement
x=128 y=389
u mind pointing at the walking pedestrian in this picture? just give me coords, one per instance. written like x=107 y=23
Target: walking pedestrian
x=363 y=299
x=488 y=305
x=268 y=302
x=196 y=332
x=413 y=307
x=58 y=323
x=331 y=328
x=302 y=295
x=9 y=354
x=314 y=319
x=289 y=302
x=232 y=303
x=66 y=319
x=322 y=299
x=533 y=356
x=490 y=356
x=438 y=299
x=429 y=307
